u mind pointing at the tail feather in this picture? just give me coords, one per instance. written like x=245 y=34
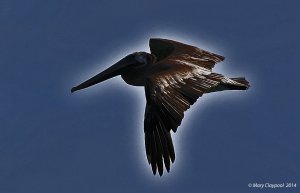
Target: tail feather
x=239 y=83
x=243 y=81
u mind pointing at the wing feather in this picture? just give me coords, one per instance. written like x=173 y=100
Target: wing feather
x=169 y=95
x=177 y=51
x=182 y=74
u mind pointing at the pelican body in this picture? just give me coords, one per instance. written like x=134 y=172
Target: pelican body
x=174 y=75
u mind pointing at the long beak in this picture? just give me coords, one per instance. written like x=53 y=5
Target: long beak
x=115 y=70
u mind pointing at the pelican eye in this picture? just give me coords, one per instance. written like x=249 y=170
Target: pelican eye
x=141 y=59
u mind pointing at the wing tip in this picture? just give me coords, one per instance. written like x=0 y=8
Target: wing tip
x=159 y=150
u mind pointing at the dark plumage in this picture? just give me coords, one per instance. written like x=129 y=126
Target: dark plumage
x=174 y=75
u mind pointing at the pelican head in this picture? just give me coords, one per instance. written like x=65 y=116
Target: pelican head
x=133 y=61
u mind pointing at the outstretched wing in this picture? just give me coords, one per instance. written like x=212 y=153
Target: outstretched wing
x=172 y=50
x=169 y=94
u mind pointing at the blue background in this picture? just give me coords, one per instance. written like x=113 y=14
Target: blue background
x=92 y=141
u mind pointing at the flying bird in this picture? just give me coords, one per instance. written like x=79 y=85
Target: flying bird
x=174 y=75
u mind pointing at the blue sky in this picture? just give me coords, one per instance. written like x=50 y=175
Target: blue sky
x=92 y=141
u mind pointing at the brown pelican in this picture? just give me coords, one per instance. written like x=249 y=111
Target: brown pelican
x=174 y=75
